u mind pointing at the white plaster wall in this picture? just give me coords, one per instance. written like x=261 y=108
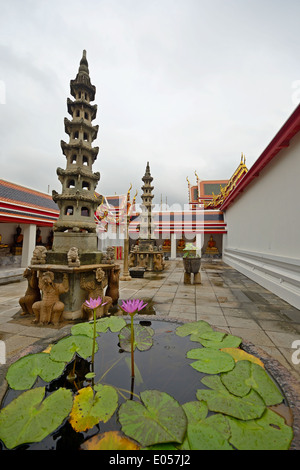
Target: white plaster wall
x=263 y=226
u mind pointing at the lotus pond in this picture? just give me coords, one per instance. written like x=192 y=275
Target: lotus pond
x=193 y=388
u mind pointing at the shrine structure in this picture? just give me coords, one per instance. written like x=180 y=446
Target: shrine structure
x=208 y=197
x=145 y=253
x=74 y=270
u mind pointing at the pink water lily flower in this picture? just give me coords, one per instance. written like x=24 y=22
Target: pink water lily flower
x=133 y=305
x=94 y=303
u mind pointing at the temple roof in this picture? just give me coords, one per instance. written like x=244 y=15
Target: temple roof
x=225 y=190
x=24 y=205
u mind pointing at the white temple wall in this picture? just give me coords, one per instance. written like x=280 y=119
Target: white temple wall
x=263 y=227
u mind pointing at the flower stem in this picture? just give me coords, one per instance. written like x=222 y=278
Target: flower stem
x=94 y=337
x=132 y=342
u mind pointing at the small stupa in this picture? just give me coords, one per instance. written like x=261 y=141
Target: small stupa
x=145 y=254
x=74 y=270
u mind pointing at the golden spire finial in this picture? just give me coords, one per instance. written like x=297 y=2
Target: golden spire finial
x=128 y=192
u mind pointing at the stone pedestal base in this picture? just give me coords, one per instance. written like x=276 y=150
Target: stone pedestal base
x=95 y=280
x=188 y=278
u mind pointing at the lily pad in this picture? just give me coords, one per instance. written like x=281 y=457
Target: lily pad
x=267 y=433
x=204 y=433
x=246 y=376
x=85 y=328
x=194 y=329
x=210 y=361
x=210 y=340
x=159 y=419
x=110 y=440
x=115 y=324
x=23 y=373
x=142 y=338
x=241 y=355
x=65 y=349
x=30 y=418
x=220 y=400
x=90 y=408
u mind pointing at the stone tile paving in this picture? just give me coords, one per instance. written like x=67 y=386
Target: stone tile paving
x=226 y=299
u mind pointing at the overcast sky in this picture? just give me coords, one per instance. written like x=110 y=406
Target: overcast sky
x=184 y=84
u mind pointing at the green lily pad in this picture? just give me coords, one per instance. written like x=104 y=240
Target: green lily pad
x=90 y=408
x=142 y=338
x=204 y=433
x=23 y=373
x=158 y=420
x=115 y=324
x=30 y=418
x=65 y=349
x=246 y=376
x=85 y=329
x=220 y=400
x=217 y=340
x=267 y=433
x=210 y=361
x=195 y=329
x=102 y=325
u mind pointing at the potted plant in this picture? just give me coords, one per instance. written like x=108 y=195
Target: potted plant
x=191 y=262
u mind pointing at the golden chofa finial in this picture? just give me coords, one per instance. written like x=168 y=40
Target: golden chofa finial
x=196 y=176
x=129 y=188
x=187 y=178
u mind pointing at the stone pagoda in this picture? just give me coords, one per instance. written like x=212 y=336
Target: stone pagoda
x=146 y=237
x=74 y=270
x=78 y=202
x=145 y=253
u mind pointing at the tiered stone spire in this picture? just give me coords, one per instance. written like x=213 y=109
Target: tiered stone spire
x=77 y=202
x=146 y=228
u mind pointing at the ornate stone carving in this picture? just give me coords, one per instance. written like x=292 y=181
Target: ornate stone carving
x=32 y=293
x=158 y=262
x=95 y=289
x=39 y=255
x=113 y=284
x=109 y=256
x=73 y=257
x=50 y=308
x=131 y=260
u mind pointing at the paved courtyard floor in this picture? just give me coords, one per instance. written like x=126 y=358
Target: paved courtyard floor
x=226 y=299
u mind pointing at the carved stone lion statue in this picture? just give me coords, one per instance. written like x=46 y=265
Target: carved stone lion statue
x=73 y=257
x=39 y=255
